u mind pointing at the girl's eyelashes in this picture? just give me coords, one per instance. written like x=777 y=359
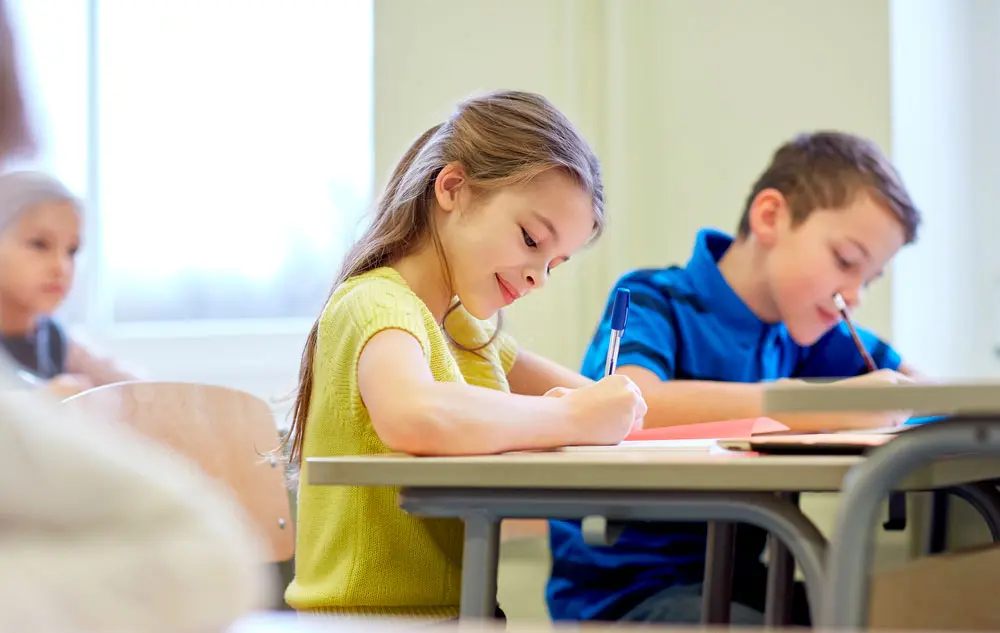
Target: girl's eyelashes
x=532 y=244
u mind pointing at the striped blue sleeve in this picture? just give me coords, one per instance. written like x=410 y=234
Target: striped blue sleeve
x=836 y=356
x=650 y=333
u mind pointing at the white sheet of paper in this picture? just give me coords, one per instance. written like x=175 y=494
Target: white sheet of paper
x=651 y=445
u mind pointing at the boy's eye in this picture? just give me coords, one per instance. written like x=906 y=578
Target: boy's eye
x=39 y=244
x=842 y=263
x=527 y=239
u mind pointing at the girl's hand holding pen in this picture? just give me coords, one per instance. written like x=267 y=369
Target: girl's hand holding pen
x=604 y=412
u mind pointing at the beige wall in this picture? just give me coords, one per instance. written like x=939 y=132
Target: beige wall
x=683 y=101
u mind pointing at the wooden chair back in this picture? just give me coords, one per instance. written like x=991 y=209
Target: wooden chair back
x=228 y=433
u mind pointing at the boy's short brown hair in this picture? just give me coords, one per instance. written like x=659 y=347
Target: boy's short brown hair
x=826 y=170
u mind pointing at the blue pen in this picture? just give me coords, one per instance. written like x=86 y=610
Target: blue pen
x=619 y=315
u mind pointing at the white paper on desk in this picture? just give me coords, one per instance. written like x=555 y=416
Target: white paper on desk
x=882 y=430
x=700 y=445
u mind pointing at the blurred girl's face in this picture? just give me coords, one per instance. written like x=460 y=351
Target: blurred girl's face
x=38 y=257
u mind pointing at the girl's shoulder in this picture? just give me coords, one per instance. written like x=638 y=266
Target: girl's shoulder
x=374 y=301
x=372 y=293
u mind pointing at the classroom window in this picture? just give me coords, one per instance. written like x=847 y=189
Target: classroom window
x=224 y=148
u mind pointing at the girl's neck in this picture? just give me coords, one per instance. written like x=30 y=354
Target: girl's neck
x=16 y=321
x=424 y=273
x=743 y=266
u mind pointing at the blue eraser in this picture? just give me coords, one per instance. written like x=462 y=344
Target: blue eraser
x=619 y=311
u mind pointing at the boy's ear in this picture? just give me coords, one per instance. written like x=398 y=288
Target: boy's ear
x=448 y=185
x=769 y=216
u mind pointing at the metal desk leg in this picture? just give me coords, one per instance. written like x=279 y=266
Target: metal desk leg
x=780 y=578
x=717 y=589
x=764 y=510
x=985 y=498
x=479 y=566
x=937 y=535
x=845 y=601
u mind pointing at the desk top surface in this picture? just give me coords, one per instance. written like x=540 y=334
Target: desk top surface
x=688 y=466
x=966 y=398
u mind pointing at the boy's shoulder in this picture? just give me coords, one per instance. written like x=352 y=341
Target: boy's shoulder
x=669 y=277
x=674 y=284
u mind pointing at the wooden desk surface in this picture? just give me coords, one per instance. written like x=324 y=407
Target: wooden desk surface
x=622 y=469
x=969 y=398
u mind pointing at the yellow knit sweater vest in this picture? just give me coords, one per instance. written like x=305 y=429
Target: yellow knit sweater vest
x=356 y=551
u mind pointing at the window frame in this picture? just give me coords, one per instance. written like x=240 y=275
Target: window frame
x=261 y=355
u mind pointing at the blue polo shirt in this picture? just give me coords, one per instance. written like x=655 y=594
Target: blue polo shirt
x=686 y=324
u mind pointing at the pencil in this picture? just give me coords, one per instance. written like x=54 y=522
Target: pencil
x=842 y=307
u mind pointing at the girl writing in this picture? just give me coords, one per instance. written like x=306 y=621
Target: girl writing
x=477 y=214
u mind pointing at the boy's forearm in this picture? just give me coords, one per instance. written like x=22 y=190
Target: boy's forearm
x=533 y=375
x=677 y=402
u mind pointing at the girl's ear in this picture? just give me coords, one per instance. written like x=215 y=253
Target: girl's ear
x=448 y=185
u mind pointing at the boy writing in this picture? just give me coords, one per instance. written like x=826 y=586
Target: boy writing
x=825 y=217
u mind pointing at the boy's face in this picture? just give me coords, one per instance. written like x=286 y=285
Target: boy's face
x=38 y=257
x=833 y=250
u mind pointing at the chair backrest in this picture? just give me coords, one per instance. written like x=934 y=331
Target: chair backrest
x=226 y=432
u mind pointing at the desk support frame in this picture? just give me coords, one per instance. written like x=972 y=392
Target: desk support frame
x=866 y=486
x=483 y=509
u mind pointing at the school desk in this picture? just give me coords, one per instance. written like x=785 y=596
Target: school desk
x=973 y=433
x=644 y=481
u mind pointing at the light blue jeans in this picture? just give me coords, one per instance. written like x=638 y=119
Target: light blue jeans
x=681 y=604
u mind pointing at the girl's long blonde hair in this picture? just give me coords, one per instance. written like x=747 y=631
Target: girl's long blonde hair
x=500 y=139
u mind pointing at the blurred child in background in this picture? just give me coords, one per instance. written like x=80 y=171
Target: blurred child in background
x=40 y=226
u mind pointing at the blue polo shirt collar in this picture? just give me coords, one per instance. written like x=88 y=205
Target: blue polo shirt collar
x=715 y=291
